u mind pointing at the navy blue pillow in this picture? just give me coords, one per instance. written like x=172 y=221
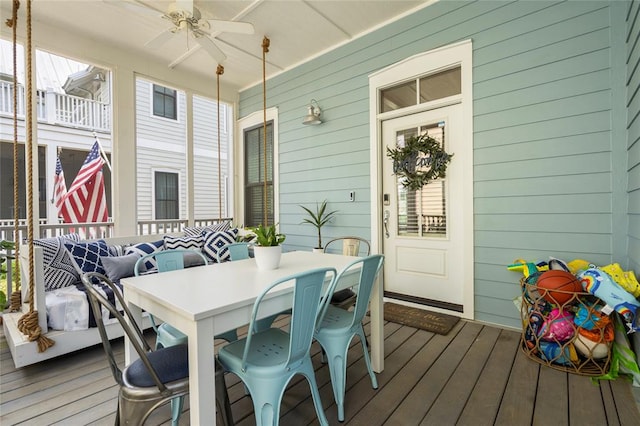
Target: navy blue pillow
x=86 y=256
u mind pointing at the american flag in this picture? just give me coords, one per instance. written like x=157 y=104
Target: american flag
x=59 y=187
x=86 y=201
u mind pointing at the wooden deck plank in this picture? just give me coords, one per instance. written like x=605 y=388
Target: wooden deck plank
x=416 y=405
x=519 y=395
x=451 y=401
x=609 y=403
x=360 y=392
x=445 y=372
x=357 y=379
x=483 y=404
x=552 y=396
x=626 y=406
x=588 y=408
x=386 y=399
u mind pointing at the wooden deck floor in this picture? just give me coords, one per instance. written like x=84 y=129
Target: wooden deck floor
x=473 y=376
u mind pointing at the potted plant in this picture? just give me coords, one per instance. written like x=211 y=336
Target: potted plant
x=267 y=250
x=319 y=218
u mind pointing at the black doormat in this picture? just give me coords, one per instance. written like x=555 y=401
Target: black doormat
x=419 y=318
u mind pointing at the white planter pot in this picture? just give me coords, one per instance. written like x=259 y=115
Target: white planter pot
x=267 y=258
x=318 y=250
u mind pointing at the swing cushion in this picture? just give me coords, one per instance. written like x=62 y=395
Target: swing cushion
x=142 y=249
x=86 y=256
x=215 y=241
x=196 y=231
x=187 y=243
x=59 y=270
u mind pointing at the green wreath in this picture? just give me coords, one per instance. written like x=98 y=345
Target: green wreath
x=420 y=161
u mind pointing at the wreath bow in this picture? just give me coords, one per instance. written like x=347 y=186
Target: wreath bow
x=420 y=161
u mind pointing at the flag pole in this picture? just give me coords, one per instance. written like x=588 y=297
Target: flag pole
x=102 y=153
x=58 y=151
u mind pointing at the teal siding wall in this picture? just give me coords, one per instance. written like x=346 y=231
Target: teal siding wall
x=544 y=154
x=632 y=82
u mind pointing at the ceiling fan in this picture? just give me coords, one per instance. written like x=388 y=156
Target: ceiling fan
x=186 y=18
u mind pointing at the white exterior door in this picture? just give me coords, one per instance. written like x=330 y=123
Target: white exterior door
x=423 y=233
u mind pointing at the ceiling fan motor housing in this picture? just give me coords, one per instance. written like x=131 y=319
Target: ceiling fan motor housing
x=182 y=18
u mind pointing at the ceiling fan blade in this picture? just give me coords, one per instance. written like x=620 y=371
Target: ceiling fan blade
x=214 y=51
x=159 y=40
x=231 y=26
x=184 y=56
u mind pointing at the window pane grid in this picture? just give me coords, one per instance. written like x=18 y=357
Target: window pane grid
x=422 y=213
x=255 y=175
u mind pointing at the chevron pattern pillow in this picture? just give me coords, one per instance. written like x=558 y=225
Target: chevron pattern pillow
x=214 y=241
x=189 y=243
x=194 y=231
x=142 y=249
x=59 y=270
x=86 y=256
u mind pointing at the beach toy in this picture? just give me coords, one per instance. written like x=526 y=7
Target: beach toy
x=590 y=317
x=594 y=344
x=565 y=284
x=532 y=330
x=560 y=354
x=578 y=265
x=558 y=327
x=557 y=264
x=527 y=268
x=626 y=280
x=601 y=285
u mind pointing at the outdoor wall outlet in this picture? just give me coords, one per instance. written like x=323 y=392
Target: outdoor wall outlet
x=352 y=195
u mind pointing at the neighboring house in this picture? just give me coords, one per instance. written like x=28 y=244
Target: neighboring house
x=544 y=120
x=73 y=102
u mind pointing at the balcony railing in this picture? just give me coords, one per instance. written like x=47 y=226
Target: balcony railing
x=93 y=231
x=58 y=109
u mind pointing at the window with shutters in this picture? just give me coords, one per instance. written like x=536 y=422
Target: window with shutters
x=258 y=184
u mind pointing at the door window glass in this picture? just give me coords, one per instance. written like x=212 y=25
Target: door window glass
x=440 y=85
x=422 y=213
x=431 y=87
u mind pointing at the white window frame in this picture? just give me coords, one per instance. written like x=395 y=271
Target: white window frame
x=178 y=94
x=155 y=170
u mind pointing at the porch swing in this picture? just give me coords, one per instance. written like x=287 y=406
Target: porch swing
x=27 y=324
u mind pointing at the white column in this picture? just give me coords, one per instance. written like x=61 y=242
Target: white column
x=123 y=154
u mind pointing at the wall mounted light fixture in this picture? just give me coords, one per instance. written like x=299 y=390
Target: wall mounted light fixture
x=313 y=114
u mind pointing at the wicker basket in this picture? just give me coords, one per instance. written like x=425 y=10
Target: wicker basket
x=559 y=336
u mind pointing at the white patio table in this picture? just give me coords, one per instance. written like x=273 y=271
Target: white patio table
x=208 y=300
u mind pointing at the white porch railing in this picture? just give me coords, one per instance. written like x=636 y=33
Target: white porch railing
x=59 y=109
x=93 y=231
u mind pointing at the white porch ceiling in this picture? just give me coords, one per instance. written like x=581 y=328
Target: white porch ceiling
x=298 y=29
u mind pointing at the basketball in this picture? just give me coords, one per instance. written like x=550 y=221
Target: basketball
x=560 y=280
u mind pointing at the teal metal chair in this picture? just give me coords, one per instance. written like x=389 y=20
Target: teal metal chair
x=166 y=334
x=167 y=260
x=348 y=246
x=237 y=251
x=267 y=360
x=339 y=326
x=240 y=251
